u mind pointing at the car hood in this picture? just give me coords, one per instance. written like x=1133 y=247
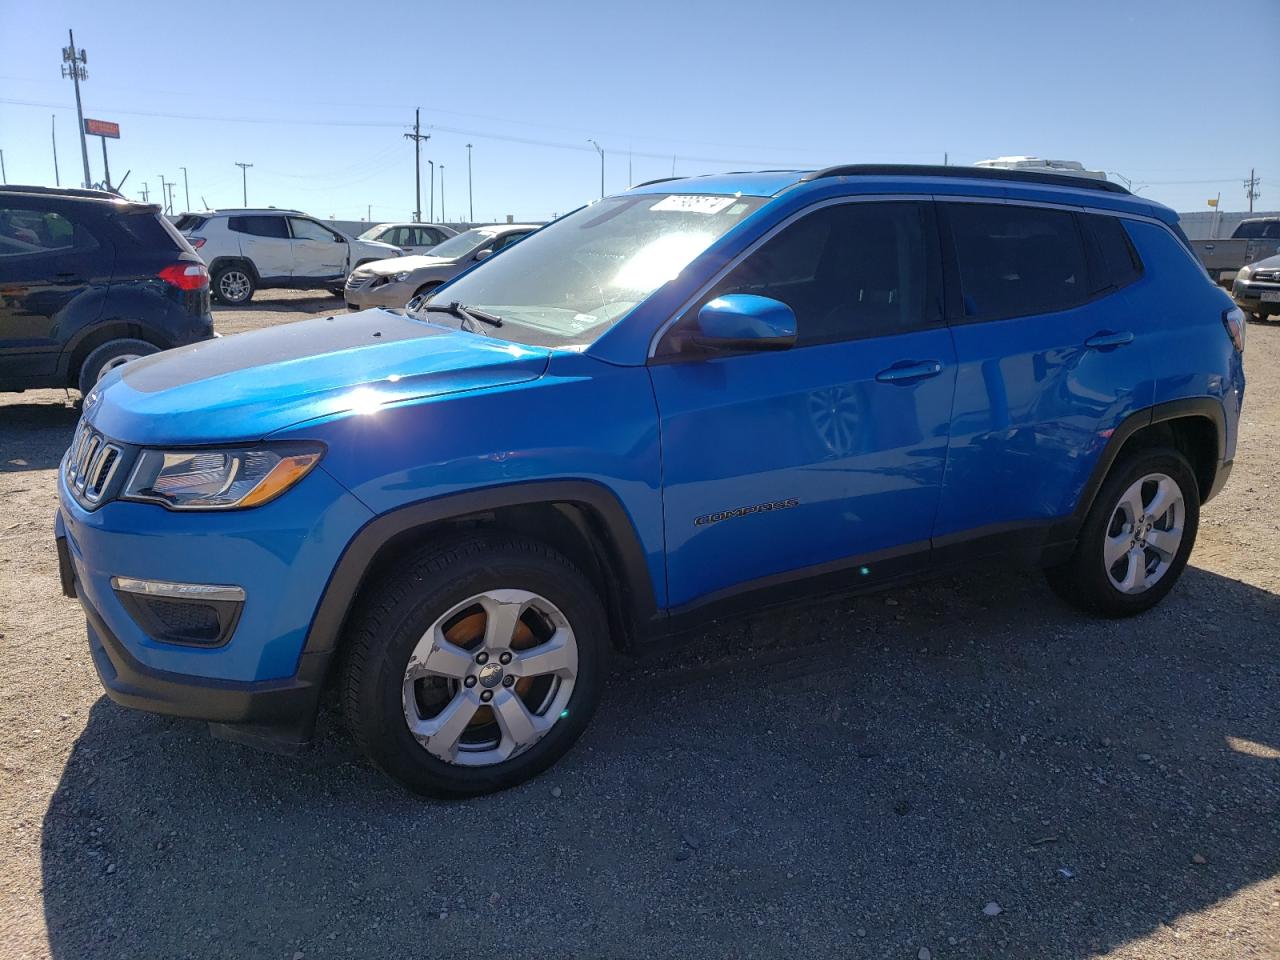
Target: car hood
x=383 y=268
x=376 y=248
x=246 y=387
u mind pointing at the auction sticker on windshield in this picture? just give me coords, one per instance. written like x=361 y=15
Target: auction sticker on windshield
x=683 y=203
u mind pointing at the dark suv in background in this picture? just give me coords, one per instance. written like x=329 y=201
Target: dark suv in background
x=88 y=282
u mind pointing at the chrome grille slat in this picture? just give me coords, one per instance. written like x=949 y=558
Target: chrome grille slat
x=91 y=464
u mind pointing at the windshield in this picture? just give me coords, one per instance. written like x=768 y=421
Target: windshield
x=373 y=233
x=462 y=244
x=568 y=283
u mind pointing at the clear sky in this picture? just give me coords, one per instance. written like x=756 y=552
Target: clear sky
x=1182 y=95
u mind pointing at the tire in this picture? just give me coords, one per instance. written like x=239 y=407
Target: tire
x=233 y=284
x=112 y=354
x=1151 y=560
x=441 y=586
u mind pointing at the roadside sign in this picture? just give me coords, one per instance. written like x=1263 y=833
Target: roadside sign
x=102 y=128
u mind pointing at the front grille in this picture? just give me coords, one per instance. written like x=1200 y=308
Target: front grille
x=355 y=283
x=1266 y=276
x=90 y=464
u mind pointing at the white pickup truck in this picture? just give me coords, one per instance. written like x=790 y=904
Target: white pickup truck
x=1254 y=239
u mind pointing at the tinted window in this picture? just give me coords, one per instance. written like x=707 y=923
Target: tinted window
x=189 y=221
x=36 y=231
x=1017 y=261
x=310 y=230
x=1116 y=261
x=848 y=271
x=260 y=226
x=151 y=230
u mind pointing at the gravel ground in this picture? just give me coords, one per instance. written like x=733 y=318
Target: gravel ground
x=964 y=768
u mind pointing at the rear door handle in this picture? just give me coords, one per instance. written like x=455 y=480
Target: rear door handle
x=1101 y=341
x=907 y=371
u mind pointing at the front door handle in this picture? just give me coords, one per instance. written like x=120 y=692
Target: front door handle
x=908 y=371
x=1101 y=341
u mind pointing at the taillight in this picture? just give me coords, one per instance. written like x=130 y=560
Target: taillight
x=1233 y=320
x=196 y=242
x=186 y=276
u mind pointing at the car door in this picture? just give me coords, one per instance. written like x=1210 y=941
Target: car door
x=264 y=240
x=827 y=457
x=49 y=260
x=1049 y=361
x=317 y=251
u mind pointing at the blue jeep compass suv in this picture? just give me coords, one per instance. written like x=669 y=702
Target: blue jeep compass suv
x=700 y=395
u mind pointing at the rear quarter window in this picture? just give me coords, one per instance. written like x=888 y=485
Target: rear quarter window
x=152 y=230
x=1115 y=260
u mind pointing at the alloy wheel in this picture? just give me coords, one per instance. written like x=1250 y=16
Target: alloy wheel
x=1144 y=533
x=490 y=677
x=114 y=362
x=233 y=286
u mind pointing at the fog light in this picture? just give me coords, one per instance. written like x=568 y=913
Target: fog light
x=193 y=613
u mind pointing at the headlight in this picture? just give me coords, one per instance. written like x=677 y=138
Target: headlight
x=220 y=479
x=400 y=277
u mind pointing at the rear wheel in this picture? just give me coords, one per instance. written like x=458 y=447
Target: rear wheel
x=1136 y=539
x=476 y=667
x=114 y=353
x=233 y=285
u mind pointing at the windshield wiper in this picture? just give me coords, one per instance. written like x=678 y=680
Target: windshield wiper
x=468 y=315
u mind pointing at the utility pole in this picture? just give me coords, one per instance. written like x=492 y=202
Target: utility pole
x=417 y=137
x=1251 y=188
x=73 y=66
x=946 y=159
x=186 y=187
x=471 y=206
x=4 y=177
x=432 y=165
x=244 y=180
x=442 y=219
x=146 y=193
x=600 y=150
x=53 y=132
x=171 y=184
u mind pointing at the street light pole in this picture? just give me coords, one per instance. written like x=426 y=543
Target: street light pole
x=432 y=165
x=244 y=180
x=442 y=219
x=599 y=150
x=186 y=187
x=471 y=207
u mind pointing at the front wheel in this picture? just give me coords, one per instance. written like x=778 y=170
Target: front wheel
x=476 y=666
x=1137 y=537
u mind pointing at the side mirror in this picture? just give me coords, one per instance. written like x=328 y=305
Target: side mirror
x=744 y=321
x=481 y=254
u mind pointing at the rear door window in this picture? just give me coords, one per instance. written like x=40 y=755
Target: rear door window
x=259 y=226
x=1017 y=261
x=25 y=231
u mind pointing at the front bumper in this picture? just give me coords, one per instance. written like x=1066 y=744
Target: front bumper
x=1249 y=296
x=370 y=293
x=260 y=679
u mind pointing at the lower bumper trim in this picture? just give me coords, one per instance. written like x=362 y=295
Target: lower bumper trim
x=281 y=710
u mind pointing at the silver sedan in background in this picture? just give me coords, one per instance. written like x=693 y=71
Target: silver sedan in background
x=393 y=283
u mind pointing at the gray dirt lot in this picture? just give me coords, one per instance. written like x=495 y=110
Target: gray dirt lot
x=857 y=779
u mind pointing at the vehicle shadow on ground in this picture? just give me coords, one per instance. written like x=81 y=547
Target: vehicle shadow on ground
x=34 y=435
x=860 y=777
x=294 y=304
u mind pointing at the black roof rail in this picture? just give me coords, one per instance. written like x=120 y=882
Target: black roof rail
x=649 y=183
x=967 y=173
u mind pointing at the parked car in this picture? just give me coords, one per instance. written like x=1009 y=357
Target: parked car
x=695 y=398
x=393 y=283
x=88 y=282
x=249 y=250
x=410 y=238
x=1254 y=239
x=1256 y=290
